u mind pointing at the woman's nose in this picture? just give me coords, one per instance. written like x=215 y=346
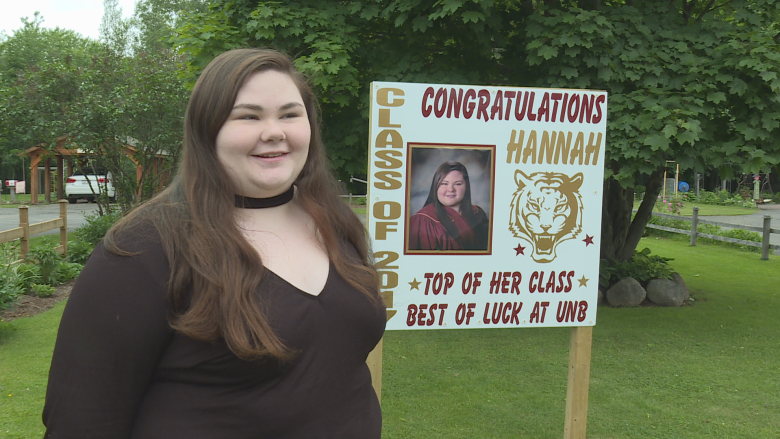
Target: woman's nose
x=272 y=132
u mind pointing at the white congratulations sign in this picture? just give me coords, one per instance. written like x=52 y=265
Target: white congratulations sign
x=484 y=204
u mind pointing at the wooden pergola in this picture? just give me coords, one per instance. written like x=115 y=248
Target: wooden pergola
x=61 y=154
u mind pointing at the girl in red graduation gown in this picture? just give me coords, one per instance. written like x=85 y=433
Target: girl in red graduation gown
x=449 y=221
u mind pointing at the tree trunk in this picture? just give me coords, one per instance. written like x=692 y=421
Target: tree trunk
x=615 y=218
x=643 y=215
x=619 y=234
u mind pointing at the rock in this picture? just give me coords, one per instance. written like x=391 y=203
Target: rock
x=627 y=292
x=677 y=278
x=665 y=292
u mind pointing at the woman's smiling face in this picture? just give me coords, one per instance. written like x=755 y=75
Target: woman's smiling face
x=452 y=189
x=264 y=143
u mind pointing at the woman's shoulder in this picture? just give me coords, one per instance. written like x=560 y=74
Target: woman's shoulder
x=427 y=213
x=133 y=235
x=476 y=210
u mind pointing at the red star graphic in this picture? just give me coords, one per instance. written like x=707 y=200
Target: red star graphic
x=519 y=250
x=588 y=240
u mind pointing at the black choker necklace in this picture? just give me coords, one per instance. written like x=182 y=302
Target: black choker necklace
x=261 y=203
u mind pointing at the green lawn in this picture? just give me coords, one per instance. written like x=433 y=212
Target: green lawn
x=708 y=370
x=709 y=209
x=21 y=199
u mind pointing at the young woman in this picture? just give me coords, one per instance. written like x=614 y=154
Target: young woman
x=448 y=220
x=239 y=303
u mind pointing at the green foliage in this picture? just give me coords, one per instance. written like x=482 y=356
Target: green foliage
x=643 y=267
x=79 y=251
x=722 y=198
x=47 y=260
x=96 y=227
x=43 y=270
x=30 y=274
x=114 y=107
x=42 y=290
x=343 y=46
x=65 y=271
x=689 y=81
x=692 y=90
x=11 y=280
x=671 y=206
x=156 y=20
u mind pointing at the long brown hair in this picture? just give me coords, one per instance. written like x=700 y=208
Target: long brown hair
x=214 y=271
x=441 y=211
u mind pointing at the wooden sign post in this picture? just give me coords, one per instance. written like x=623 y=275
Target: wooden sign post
x=578 y=383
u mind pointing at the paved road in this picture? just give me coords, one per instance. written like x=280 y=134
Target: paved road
x=9 y=216
x=755 y=220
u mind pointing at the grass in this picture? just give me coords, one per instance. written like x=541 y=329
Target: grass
x=709 y=210
x=708 y=370
x=21 y=199
x=703 y=371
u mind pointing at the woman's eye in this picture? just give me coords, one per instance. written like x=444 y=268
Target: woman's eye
x=290 y=115
x=248 y=117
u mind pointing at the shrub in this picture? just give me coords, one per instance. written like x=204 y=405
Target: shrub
x=42 y=290
x=79 y=251
x=670 y=207
x=11 y=281
x=66 y=271
x=47 y=260
x=30 y=274
x=709 y=229
x=643 y=267
x=96 y=227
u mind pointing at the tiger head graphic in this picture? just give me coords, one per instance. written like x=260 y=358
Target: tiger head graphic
x=546 y=210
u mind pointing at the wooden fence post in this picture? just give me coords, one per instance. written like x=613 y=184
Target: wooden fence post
x=64 y=227
x=765 y=241
x=579 y=379
x=24 y=223
x=694 y=225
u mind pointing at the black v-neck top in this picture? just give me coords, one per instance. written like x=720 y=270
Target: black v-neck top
x=120 y=371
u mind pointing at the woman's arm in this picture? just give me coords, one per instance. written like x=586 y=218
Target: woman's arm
x=112 y=334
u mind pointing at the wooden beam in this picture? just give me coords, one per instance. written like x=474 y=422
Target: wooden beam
x=47 y=179
x=34 y=160
x=578 y=383
x=374 y=362
x=60 y=177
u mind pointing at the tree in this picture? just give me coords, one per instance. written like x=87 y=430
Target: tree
x=690 y=81
x=343 y=46
x=115 y=30
x=43 y=59
x=695 y=81
x=155 y=21
x=33 y=44
x=130 y=114
x=100 y=107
